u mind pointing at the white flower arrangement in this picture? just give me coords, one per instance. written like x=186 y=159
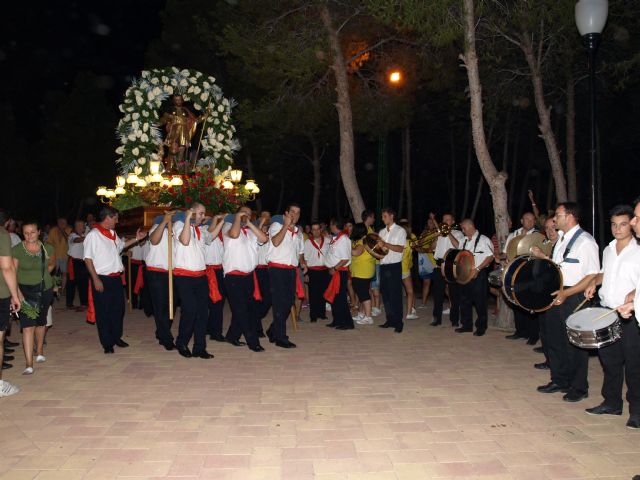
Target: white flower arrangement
x=139 y=128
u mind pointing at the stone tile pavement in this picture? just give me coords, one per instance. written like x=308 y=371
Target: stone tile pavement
x=366 y=404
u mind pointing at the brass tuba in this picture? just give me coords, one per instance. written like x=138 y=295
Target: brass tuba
x=371 y=245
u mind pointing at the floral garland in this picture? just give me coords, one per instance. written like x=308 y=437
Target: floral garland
x=139 y=130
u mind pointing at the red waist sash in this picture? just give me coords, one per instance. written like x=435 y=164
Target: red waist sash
x=334 y=285
x=182 y=272
x=212 y=280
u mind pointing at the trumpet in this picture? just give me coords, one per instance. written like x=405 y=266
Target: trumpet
x=430 y=235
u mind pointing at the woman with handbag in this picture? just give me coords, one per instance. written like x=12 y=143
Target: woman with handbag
x=34 y=262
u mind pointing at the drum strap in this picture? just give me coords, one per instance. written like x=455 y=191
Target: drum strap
x=475 y=245
x=568 y=249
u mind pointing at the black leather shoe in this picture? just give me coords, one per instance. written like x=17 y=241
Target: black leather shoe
x=514 y=336
x=204 y=354
x=257 y=348
x=8 y=358
x=261 y=335
x=6 y=365
x=313 y=320
x=345 y=327
x=603 y=409
x=9 y=350
x=121 y=343
x=478 y=333
x=10 y=344
x=455 y=325
x=108 y=349
x=552 y=388
x=538 y=350
x=285 y=344
x=218 y=338
x=385 y=325
x=168 y=346
x=541 y=366
x=331 y=325
x=436 y=322
x=236 y=343
x=463 y=330
x=575 y=396
x=184 y=351
x=532 y=341
x=634 y=421
x=398 y=329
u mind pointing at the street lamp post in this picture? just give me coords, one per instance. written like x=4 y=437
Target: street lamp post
x=591 y=17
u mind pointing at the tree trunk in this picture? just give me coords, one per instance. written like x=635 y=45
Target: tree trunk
x=495 y=180
x=343 y=105
x=467 y=176
x=545 y=118
x=505 y=147
x=316 y=162
x=571 y=140
x=406 y=142
x=252 y=174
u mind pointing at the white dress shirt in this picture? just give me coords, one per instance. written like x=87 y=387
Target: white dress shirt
x=214 y=252
x=263 y=252
x=621 y=273
x=582 y=260
x=158 y=255
x=190 y=257
x=240 y=254
x=339 y=249
x=289 y=250
x=393 y=235
x=76 y=250
x=479 y=245
x=137 y=253
x=314 y=254
x=444 y=244
x=104 y=252
x=514 y=234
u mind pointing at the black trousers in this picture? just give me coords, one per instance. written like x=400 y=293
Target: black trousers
x=474 y=294
x=158 y=287
x=438 y=286
x=391 y=290
x=263 y=305
x=527 y=324
x=568 y=364
x=283 y=290
x=194 y=295
x=340 y=308
x=214 y=324
x=109 y=308
x=239 y=290
x=620 y=362
x=318 y=283
x=145 y=297
x=79 y=283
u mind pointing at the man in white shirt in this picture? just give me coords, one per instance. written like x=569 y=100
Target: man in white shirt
x=285 y=250
x=213 y=256
x=262 y=273
x=393 y=238
x=619 y=276
x=577 y=255
x=315 y=251
x=102 y=250
x=443 y=245
x=77 y=271
x=337 y=260
x=475 y=292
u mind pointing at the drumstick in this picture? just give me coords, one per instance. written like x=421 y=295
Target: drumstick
x=581 y=304
x=605 y=314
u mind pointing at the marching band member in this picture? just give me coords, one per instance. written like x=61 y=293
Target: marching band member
x=337 y=260
x=443 y=245
x=213 y=255
x=157 y=260
x=475 y=292
x=362 y=269
x=369 y=218
x=619 y=276
x=315 y=250
x=102 y=249
x=137 y=274
x=189 y=271
x=393 y=238
x=407 y=265
x=262 y=272
x=241 y=284
x=77 y=270
x=285 y=250
x=576 y=253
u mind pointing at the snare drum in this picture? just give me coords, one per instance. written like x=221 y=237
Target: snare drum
x=457 y=266
x=591 y=328
x=528 y=282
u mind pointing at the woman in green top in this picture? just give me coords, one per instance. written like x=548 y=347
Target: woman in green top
x=34 y=262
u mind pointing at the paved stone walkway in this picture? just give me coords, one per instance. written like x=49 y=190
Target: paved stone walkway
x=355 y=405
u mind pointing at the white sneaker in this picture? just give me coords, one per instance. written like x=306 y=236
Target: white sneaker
x=446 y=312
x=413 y=310
x=327 y=307
x=375 y=311
x=41 y=359
x=411 y=316
x=357 y=317
x=7 y=389
x=365 y=320
x=28 y=371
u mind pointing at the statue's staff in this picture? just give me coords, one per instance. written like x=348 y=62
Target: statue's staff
x=170 y=265
x=204 y=125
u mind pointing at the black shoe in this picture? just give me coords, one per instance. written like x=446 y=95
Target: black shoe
x=436 y=322
x=603 y=409
x=168 y=345
x=285 y=344
x=541 y=366
x=574 y=396
x=218 y=338
x=398 y=329
x=236 y=343
x=323 y=317
x=538 y=350
x=261 y=335
x=8 y=350
x=8 y=358
x=6 y=365
x=10 y=344
x=532 y=341
x=184 y=351
x=634 y=421
x=345 y=327
x=313 y=320
x=121 y=343
x=204 y=354
x=514 y=336
x=479 y=333
x=552 y=388
x=257 y=348
x=330 y=325
x=385 y=325
x=463 y=330
x=455 y=325
x=108 y=350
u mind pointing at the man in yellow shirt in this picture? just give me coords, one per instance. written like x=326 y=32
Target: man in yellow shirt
x=59 y=238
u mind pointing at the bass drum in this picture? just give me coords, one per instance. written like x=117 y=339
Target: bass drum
x=457 y=266
x=528 y=282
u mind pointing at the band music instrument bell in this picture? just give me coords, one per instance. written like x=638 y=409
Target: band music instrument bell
x=522 y=245
x=458 y=266
x=370 y=244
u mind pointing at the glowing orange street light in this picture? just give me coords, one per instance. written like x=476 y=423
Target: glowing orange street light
x=395 y=76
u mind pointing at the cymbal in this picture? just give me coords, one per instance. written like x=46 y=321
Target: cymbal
x=535 y=239
x=512 y=247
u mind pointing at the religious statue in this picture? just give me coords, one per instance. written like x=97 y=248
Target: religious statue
x=180 y=124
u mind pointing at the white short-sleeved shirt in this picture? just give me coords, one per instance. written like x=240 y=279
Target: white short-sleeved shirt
x=76 y=250
x=289 y=250
x=104 y=252
x=621 y=273
x=137 y=252
x=636 y=303
x=582 y=260
x=315 y=250
x=444 y=244
x=15 y=239
x=214 y=252
x=514 y=234
x=263 y=252
x=394 y=235
x=479 y=245
x=339 y=249
x=240 y=254
x=158 y=255
x=190 y=257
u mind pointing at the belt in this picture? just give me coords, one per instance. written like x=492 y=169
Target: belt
x=215 y=267
x=261 y=266
x=318 y=268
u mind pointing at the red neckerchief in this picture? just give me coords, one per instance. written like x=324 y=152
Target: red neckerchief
x=106 y=232
x=244 y=230
x=197 y=229
x=220 y=237
x=293 y=231
x=315 y=245
x=341 y=234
